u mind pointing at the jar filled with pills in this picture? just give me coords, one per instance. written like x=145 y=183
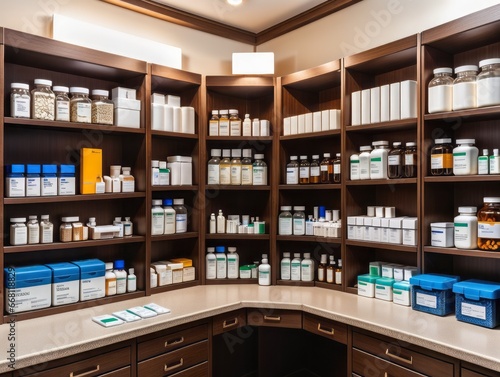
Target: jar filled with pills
x=102 y=107
x=62 y=103
x=488 y=231
x=80 y=105
x=43 y=100
x=18 y=231
x=20 y=100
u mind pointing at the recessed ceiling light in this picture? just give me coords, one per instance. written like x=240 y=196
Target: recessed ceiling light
x=234 y=2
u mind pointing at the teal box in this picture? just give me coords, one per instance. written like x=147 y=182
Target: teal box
x=366 y=285
x=477 y=302
x=432 y=293
x=92 y=280
x=65 y=283
x=27 y=288
x=401 y=293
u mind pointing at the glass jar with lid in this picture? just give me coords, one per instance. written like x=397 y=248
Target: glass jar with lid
x=395 y=161
x=314 y=169
x=411 y=160
x=20 y=100
x=304 y=170
x=43 y=100
x=292 y=171
x=66 y=228
x=464 y=87
x=488 y=231
x=259 y=170
x=80 y=105
x=102 y=107
x=488 y=83
x=299 y=221
x=440 y=91
x=285 y=221
x=442 y=157
x=62 y=103
x=234 y=123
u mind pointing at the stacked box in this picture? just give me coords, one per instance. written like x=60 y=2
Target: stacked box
x=477 y=302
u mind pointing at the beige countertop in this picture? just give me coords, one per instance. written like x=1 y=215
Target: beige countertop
x=52 y=337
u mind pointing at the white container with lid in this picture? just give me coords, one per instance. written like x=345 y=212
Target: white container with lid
x=18 y=231
x=181 y=170
x=440 y=91
x=465 y=157
x=464 y=88
x=299 y=221
x=488 y=83
x=465 y=234
x=364 y=162
x=20 y=100
x=442 y=234
x=285 y=221
x=378 y=160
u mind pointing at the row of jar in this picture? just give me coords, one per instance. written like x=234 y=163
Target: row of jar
x=229 y=123
x=303 y=171
x=231 y=169
x=382 y=162
x=323 y=223
x=468 y=90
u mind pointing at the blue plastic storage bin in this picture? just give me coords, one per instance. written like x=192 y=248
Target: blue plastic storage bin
x=477 y=302
x=432 y=293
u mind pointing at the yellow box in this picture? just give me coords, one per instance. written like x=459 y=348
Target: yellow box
x=185 y=261
x=90 y=169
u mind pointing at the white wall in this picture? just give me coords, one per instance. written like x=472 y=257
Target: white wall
x=367 y=24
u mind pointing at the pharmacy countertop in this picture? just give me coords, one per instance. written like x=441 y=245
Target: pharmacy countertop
x=56 y=336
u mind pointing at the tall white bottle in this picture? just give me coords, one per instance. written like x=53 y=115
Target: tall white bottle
x=285 y=267
x=211 y=264
x=307 y=268
x=157 y=218
x=264 y=273
x=233 y=263
x=295 y=267
x=221 y=262
x=169 y=216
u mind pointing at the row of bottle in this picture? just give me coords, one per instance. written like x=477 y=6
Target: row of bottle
x=327 y=170
x=298 y=269
x=232 y=170
x=170 y=219
x=228 y=123
x=232 y=225
x=325 y=223
x=468 y=90
x=117 y=280
x=382 y=162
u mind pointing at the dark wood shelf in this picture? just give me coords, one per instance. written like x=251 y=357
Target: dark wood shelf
x=461 y=178
x=171 y=287
x=73 y=198
x=231 y=236
x=332 y=286
x=175 y=188
x=176 y=236
x=312 y=186
x=386 y=246
x=311 y=135
x=295 y=283
x=73 y=307
x=481 y=113
x=249 y=87
x=71 y=126
x=238 y=187
x=352 y=290
x=173 y=78
x=316 y=239
x=315 y=79
x=231 y=281
x=175 y=135
x=71 y=245
x=240 y=138
x=390 y=126
x=461 y=252
x=377 y=182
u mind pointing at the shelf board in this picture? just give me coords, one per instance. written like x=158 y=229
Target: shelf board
x=230 y=281
x=295 y=283
x=387 y=246
x=481 y=113
x=352 y=290
x=72 y=198
x=312 y=186
x=71 y=245
x=377 y=182
x=71 y=126
x=461 y=252
x=246 y=237
x=176 y=236
x=393 y=125
x=321 y=284
x=332 y=240
x=174 y=135
x=238 y=188
x=311 y=135
x=172 y=287
x=239 y=138
x=73 y=307
x=175 y=188
x=461 y=178
x=248 y=87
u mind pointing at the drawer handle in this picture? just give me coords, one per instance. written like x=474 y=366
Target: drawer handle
x=275 y=318
x=399 y=358
x=229 y=323
x=178 y=365
x=76 y=374
x=169 y=343
x=330 y=331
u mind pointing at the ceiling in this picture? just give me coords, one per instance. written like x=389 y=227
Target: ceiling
x=254 y=21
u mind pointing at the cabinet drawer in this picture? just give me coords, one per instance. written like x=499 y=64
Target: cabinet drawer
x=229 y=321
x=175 y=361
x=171 y=341
x=368 y=365
x=200 y=370
x=470 y=373
x=123 y=372
x=325 y=327
x=405 y=357
x=93 y=366
x=275 y=318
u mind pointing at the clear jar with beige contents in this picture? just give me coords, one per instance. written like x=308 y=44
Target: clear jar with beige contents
x=71 y=229
x=80 y=105
x=102 y=107
x=43 y=100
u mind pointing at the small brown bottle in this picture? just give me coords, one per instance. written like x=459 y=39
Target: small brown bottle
x=304 y=170
x=314 y=171
x=411 y=160
x=330 y=271
x=396 y=161
x=336 y=169
x=322 y=268
x=326 y=169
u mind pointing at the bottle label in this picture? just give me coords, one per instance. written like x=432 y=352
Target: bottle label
x=324 y=167
x=62 y=110
x=213 y=128
x=336 y=169
x=224 y=127
x=225 y=175
x=213 y=174
x=285 y=227
x=394 y=160
x=21 y=107
x=157 y=223
x=338 y=277
x=321 y=274
x=295 y=270
x=285 y=270
x=354 y=170
x=375 y=166
x=211 y=268
x=235 y=126
x=180 y=222
x=462 y=232
x=236 y=175
x=409 y=159
x=488 y=91
x=304 y=172
x=329 y=275
x=315 y=171
x=292 y=176
x=259 y=175
x=83 y=112
x=436 y=161
x=461 y=163
x=299 y=227
x=486 y=229
x=246 y=174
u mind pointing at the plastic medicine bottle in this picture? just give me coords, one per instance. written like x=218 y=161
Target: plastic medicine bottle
x=33 y=230
x=213 y=124
x=488 y=229
x=364 y=162
x=62 y=103
x=121 y=276
x=285 y=265
x=181 y=216
x=247 y=167
x=465 y=157
x=46 y=230
x=157 y=218
x=307 y=268
x=110 y=280
x=299 y=221
x=221 y=262
x=233 y=263
x=292 y=171
x=43 y=100
x=465 y=228
x=354 y=167
x=236 y=167
x=211 y=263
x=169 y=217
x=131 y=280
x=259 y=174
x=440 y=91
x=225 y=167
x=378 y=160
x=213 y=167
x=264 y=273
x=295 y=267
x=285 y=221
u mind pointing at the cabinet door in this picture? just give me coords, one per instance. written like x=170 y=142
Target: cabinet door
x=275 y=318
x=175 y=361
x=123 y=372
x=466 y=372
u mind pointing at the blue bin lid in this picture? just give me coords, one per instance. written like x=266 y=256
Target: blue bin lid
x=28 y=276
x=91 y=266
x=67 y=169
x=434 y=281
x=49 y=169
x=15 y=169
x=64 y=271
x=475 y=289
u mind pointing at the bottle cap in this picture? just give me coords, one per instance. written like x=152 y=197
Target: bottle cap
x=259 y=156
x=210 y=249
x=299 y=208
x=131 y=271
x=465 y=68
x=43 y=82
x=303 y=157
x=466 y=141
x=442 y=70
x=220 y=249
x=467 y=210
x=226 y=153
x=490 y=199
x=99 y=92
x=119 y=264
x=179 y=201
x=484 y=62
x=167 y=202
x=286 y=255
x=64 y=89
x=231 y=249
x=236 y=153
x=443 y=141
x=286 y=208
